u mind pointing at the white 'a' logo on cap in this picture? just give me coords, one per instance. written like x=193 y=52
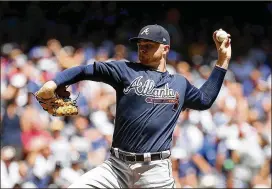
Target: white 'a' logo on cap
x=146 y=31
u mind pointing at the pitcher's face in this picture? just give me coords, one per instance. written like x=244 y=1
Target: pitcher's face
x=149 y=51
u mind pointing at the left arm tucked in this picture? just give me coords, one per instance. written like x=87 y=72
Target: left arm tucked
x=203 y=98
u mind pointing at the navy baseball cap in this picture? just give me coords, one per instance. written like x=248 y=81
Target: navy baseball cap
x=154 y=33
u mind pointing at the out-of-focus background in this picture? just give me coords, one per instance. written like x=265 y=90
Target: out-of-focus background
x=228 y=145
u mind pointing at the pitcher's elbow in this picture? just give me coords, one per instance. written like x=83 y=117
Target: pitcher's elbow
x=207 y=106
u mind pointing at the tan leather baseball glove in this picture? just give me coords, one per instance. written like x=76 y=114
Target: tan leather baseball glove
x=60 y=104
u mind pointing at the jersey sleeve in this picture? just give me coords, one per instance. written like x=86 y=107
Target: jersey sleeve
x=203 y=98
x=109 y=72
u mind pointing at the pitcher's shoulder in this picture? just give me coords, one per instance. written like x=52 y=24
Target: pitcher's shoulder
x=123 y=62
x=135 y=66
x=180 y=79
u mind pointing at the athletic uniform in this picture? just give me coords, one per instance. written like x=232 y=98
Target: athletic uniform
x=149 y=103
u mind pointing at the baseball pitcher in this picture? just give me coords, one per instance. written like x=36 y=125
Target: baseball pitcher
x=149 y=101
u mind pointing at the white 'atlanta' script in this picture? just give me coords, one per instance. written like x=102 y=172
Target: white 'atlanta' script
x=148 y=89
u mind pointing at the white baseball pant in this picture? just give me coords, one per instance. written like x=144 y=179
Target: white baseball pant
x=115 y=173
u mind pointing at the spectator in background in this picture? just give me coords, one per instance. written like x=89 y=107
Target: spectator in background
x=72 y=173
x=120 y=53
x=60 y=146
x=44 y=163
x=11 y=128
x=9 y=168
x=32 y=129
x=24 y=176
x=242 y=66
x=172 y=24
x=184 y=69
x=78 y=140
x=188 y=140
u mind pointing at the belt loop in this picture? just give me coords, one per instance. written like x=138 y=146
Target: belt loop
x=147 y=157
x=116 y=153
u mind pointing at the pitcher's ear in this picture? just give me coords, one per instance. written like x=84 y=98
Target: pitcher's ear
x=166 y=48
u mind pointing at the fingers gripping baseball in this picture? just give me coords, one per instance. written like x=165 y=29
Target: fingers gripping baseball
x=223 y=47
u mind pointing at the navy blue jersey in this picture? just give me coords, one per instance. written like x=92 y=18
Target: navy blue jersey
x=148 y=102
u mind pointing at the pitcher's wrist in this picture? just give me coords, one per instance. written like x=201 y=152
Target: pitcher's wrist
x=223 y=63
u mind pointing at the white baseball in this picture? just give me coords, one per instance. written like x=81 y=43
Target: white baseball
x=221 y=35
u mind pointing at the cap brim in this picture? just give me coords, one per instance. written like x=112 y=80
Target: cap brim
x=136 y=39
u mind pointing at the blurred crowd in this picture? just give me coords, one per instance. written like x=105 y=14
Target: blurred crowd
x=228 y=145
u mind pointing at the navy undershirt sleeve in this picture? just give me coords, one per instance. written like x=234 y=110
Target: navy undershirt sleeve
x=74 y=74
x=109 y=73
x=204 y=97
